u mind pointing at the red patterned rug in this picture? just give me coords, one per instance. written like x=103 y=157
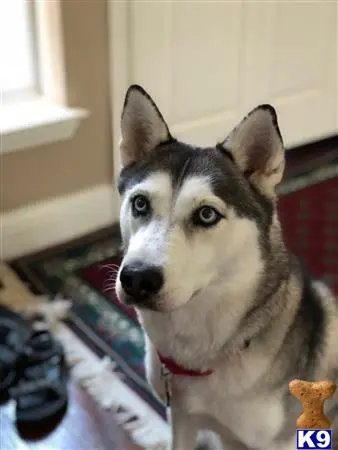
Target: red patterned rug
x=310 y=222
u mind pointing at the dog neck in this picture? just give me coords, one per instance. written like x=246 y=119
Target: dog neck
x=194 y=334
x=215 y=322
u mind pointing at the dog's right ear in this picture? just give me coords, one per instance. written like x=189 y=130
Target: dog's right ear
x=142 y=126
x=256 y=147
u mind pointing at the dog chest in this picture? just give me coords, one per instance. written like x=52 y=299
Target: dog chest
x=255 y=422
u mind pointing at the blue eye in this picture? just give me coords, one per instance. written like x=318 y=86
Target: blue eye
x=140 y=205
x=206 y=216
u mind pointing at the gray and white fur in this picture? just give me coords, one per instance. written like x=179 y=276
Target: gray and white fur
x=214 y=286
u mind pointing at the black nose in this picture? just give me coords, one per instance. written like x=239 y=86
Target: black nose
x=141 y=282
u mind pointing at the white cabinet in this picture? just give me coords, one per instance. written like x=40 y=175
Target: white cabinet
x=207 y=63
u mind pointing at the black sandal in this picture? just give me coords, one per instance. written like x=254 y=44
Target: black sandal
x=41 y=392
x=14 y=333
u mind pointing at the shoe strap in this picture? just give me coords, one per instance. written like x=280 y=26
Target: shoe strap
x=34 y=387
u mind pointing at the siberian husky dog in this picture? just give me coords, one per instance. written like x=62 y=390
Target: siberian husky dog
x=227 y=311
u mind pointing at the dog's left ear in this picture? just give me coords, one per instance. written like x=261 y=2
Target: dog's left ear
x=257 y=148
x=142 y=126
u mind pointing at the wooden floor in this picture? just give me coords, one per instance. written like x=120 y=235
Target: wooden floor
x=84 y=427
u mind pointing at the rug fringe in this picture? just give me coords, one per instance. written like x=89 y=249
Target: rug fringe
x=102 y=381
x=100 y=378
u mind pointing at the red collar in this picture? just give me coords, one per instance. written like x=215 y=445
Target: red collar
x=179 y=370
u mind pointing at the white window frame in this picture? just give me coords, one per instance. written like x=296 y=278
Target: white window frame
x=18 y=39
x=43 y=117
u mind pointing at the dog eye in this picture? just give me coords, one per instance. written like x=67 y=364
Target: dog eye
x=206 y=216
x=140 y=205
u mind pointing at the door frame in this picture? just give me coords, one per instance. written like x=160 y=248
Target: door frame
x=118 y=28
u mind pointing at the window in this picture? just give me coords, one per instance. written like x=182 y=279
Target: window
x=18 y=55
x=33 y=108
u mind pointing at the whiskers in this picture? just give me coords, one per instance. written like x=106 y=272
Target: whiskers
x=110 y=282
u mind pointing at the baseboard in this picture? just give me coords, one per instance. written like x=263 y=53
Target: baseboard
x=310 y=156
x=33 y=228
x=327 y=143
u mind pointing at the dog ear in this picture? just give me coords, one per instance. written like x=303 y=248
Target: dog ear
x=142 y=126
x=257 y=148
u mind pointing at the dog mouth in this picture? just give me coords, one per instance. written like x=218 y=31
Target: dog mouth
x=156 y=304
x=149 y=304
x=165 y=301
x=159 y=303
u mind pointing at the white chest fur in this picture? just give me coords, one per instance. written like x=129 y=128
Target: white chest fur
x=255 y=422
x=221 y=396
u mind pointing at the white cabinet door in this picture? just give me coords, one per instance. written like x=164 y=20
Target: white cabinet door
x=207 y=63
x=291 y=62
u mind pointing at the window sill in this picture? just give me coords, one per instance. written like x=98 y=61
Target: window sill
x=37 y=122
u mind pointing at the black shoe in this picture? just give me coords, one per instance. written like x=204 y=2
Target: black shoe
x=41 y=392
x=14 y=333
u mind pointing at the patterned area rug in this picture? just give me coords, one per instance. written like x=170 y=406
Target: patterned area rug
x=84 y=271
x=309 y=215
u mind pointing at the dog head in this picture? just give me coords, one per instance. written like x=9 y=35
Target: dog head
x=193 y=217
